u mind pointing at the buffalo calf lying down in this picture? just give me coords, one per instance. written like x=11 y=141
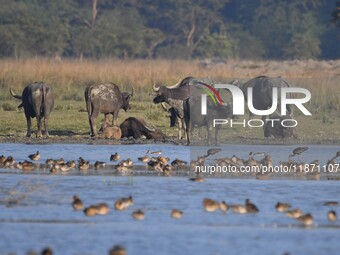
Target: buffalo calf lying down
x=278 y=131
x=37 y=99
x=137 y=128
x=110 y=132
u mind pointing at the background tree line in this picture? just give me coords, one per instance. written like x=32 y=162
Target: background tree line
x=249 y=29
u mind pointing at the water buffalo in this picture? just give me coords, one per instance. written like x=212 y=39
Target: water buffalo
x=277 y=130
x=174 y=96
x=137 y=128
x=263 y=91
x=176 y=115
x=108 y=131
x=37 y=101
x=107 y=99
x=193 y=116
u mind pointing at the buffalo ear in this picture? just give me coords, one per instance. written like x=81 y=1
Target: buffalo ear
x=128 y=97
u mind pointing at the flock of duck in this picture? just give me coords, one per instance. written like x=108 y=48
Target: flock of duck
x=156 y=161
x=162 y=164
x=211 y=205
x=312 y=169
x=159 y=163
x=121 y=204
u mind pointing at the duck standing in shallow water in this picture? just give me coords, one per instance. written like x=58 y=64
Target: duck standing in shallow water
x=138 y=215
x=2 y=160
x=224 y=207
x=176 y=214
x=295 y=213
x=9 y=161
x=83 y=164
x=90 y=211
x=102 y=209
x=144 y=159
x=197 y=179
x=282 y=207
x=210 y=205
x=241 y=209
x=77 y=203
x=99 y=164
x=118 y=250
x=115 y=157
x=35 y=156
x=47 y=251
x=306 y=219
x=178 y=163
x=331 y=216
x=250 y=207
x=123 y=203
x=71 y=164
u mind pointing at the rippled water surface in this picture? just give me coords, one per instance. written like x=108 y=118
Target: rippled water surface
x=36 y=211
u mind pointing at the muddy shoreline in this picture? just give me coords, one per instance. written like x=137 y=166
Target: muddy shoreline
x=85 y=139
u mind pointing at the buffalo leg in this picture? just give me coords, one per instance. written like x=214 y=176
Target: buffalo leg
x=114 y=120
x=183 y=128
x=107 y=119
x=216 y=135
x=209 y=134
x=179 y=128
x=46 y=126
x=187 y=131
x=39 y=126
x=92 y=121
x=29 y=124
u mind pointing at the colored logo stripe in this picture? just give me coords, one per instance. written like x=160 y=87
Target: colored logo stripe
x=213 y=90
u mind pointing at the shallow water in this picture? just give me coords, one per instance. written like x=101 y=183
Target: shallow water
x=43 y=215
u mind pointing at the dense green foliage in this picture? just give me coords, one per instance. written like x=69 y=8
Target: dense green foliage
x=250 y=29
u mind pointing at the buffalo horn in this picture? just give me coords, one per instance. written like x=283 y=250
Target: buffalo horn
x=154 y=87
x=14 y=95
x=165 y=107
x=150 y=129
x=175 y=85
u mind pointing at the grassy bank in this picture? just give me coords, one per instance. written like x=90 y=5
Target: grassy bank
x=69 y=78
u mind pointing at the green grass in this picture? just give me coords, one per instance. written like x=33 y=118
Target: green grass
x=69 y=118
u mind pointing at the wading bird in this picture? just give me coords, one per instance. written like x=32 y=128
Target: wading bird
x=298 y=151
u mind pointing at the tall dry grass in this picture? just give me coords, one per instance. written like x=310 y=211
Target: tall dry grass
x=70 y=76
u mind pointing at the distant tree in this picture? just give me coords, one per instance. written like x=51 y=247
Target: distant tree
x=170 y=29
x=288 y=28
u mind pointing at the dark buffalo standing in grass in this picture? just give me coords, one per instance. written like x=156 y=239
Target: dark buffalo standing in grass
x=190 y=109
x=193 y=116
x=174 y=96
x=37 y=101
x=263 y=91
x=107 y=99
x=137 y=128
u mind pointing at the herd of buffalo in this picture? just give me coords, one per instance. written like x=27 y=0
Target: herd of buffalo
x=180 y=100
